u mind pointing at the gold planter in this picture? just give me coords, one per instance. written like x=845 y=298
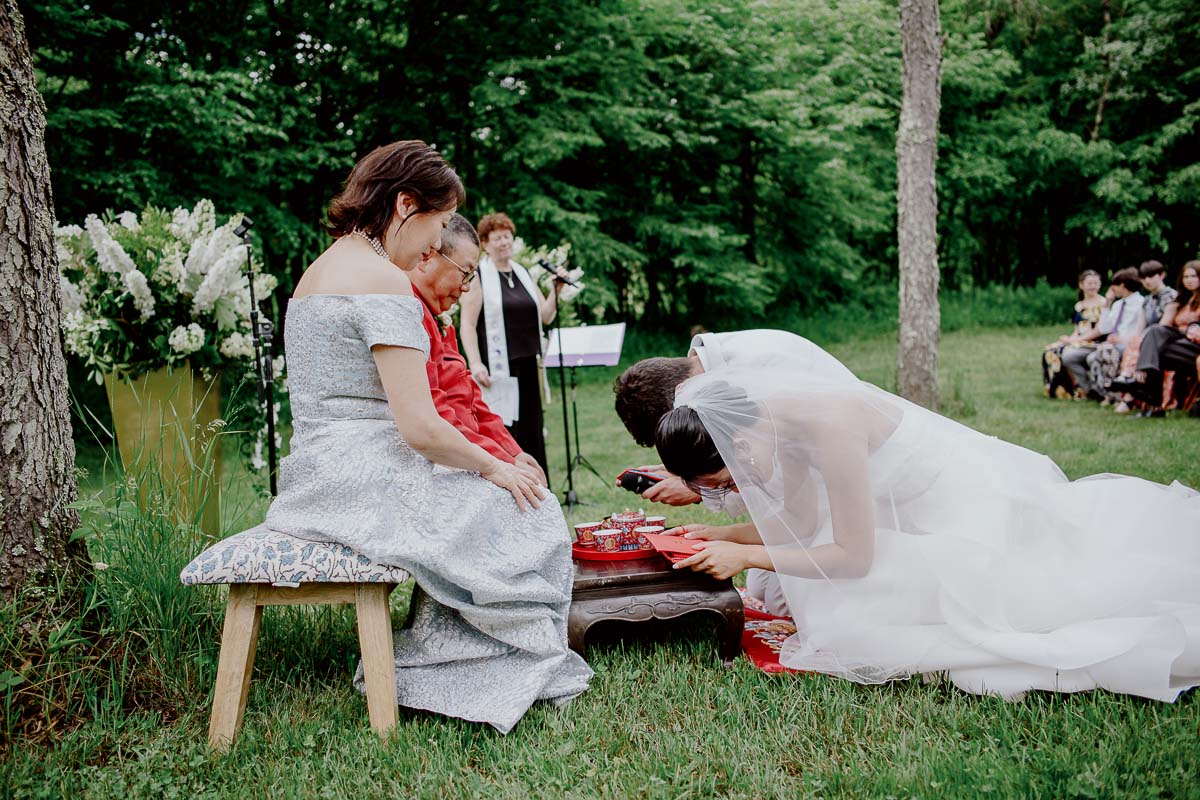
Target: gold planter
x=163 y=421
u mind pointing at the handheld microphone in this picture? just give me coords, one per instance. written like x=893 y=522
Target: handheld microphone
x=546 y=265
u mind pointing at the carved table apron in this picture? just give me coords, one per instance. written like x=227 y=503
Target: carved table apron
x=645 y=589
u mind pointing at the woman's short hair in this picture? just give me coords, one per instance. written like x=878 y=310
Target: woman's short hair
x=498 y=221
x=1151 y=268
x=368 y=200
x=1129 y=278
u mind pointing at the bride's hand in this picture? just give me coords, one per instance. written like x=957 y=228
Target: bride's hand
x=705 y=532
x=720 y=559
x=519 y=482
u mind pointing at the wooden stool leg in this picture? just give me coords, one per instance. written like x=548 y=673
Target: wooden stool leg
x=239 y=640
x=379 y=665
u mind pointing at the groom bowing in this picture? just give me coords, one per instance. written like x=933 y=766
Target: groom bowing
x=646 y=391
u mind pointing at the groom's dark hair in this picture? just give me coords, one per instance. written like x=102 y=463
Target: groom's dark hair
x=646 y=392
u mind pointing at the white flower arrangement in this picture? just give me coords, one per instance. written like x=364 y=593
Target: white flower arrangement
x=140 y=292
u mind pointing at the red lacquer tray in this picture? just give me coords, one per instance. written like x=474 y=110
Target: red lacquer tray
x=592 y=554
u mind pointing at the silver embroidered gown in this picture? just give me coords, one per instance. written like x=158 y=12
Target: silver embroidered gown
x=488 y=629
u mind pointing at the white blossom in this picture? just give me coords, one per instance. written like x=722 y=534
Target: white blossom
x=129 y=220
x=109 y=253
x=237 y=345
x=205 y=214
x=217 y=283
x=67 y=231
x=169 y=271
x=186 y=340
x=72 y=300
x=80 y=332
x=143 y=298
x=182 y=226
x=208 y=249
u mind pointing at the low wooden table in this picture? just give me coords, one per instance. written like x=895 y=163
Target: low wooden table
x=648 y=588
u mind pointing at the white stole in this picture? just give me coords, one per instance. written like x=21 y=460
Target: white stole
x=493 y=318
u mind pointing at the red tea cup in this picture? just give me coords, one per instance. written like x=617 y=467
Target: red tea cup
x=640 y=533
x=608 y=540
x=585 y=533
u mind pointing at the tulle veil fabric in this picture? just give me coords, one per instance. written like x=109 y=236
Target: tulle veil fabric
x=981 y=559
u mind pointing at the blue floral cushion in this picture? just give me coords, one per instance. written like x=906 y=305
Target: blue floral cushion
x=261 y=555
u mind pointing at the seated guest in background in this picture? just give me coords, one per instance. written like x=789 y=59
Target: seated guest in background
x=1171 y=346
x=438 y=282
x=1093 y=370
x=646 y=391
x=1159 y=296
x=1058 y=381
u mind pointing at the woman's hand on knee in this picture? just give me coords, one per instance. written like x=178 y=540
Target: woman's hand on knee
x=517 y=481
x=530 y=465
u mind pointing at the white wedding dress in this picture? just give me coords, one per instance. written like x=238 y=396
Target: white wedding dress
x=988 y=564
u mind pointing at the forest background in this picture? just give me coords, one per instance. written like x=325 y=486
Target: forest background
x=721 y=164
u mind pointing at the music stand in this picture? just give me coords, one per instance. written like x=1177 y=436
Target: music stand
x=570 y=348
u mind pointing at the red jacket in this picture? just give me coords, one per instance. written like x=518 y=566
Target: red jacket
x=456 y=395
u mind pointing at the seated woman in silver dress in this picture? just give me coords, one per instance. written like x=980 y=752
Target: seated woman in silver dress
x=374 y=466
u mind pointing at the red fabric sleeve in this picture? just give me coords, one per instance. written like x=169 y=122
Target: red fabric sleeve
x=444 y=400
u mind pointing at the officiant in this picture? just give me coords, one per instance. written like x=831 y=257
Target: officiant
x=501 y=329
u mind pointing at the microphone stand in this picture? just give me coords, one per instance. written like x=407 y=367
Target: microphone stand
x=578 y=460
x=264 y=369
x=570 y=497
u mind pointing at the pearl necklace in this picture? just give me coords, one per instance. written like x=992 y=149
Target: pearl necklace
x=376 y=245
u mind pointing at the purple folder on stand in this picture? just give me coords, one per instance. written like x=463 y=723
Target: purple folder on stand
x=586 y=346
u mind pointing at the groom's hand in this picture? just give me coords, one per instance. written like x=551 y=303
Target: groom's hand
x=671 y=491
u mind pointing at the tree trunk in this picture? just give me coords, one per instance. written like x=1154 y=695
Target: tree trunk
x=37 y=455
x=916 y=166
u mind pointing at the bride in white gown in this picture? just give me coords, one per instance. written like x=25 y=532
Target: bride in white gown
x=907 y=543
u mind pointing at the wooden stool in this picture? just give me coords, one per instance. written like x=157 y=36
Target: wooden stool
x=267 y=568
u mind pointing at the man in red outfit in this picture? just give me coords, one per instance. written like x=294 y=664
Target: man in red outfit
x=439 y=281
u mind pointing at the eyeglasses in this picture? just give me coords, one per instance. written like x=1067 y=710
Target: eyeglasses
x=467 y=275
x=711 y=492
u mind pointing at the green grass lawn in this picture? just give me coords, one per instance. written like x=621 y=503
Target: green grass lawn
x=663 y=718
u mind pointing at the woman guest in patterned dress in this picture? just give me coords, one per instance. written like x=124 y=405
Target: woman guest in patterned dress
x=1058 y=381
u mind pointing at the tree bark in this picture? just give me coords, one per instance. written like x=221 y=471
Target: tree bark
x=37 y=455
x=916 y=196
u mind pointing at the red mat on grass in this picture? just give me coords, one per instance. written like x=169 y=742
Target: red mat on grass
x=764 y=634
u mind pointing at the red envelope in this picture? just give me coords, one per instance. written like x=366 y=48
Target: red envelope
x=674 y=548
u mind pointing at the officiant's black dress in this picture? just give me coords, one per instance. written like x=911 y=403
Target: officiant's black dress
x=524 y=338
